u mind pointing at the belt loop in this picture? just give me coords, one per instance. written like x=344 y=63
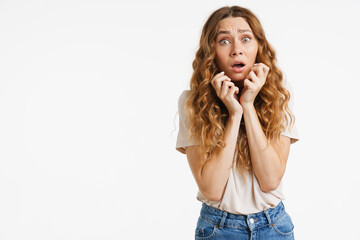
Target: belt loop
x=221 y=225
x=268 y=216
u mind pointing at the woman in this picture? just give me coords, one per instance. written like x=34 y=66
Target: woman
x=236 y=128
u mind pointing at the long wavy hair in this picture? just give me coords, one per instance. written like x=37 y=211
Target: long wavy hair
x=206 y=113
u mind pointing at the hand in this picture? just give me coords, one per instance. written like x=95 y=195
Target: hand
x=253 y=83
x=226 y=91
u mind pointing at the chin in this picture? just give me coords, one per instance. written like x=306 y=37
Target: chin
x=235 y=77
x=238 y=76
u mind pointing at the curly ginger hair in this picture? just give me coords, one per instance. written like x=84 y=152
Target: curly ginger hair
x=207 y=114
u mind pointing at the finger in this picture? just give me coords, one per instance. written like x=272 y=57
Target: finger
x=224 y=78
x=220 y=84
x=236 y=90
x=220 y=81
x=264 y=67
x=216 y=77
x=225 y=88
x=256 y=69
x=261 y=76
x=260 y=71
x=248 y=84
x=233 y=91
x=267 y=69
x=215 y=82
x=252 y=76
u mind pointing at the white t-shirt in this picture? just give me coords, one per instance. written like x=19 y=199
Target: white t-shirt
x=239 y=197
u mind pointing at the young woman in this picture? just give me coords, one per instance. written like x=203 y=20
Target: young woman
x=236 y=126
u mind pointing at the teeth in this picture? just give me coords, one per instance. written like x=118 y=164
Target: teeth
x=238 y=64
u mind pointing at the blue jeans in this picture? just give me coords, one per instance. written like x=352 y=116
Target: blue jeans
x=215 y=224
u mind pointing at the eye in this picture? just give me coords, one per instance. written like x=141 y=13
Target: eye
x=247 y=38
x=224 y=42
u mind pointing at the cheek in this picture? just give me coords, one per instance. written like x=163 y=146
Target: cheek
x=219 y=57
x=254 y=51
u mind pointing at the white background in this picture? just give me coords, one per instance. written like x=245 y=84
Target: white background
x=88 y=102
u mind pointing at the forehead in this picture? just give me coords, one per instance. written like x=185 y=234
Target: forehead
x=233 y=23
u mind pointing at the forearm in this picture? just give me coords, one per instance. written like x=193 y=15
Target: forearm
x=265 y=160
x=216 y=170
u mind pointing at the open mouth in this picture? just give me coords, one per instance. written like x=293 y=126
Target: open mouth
x=239 y=65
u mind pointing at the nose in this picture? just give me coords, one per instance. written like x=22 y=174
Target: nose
x=237 y=49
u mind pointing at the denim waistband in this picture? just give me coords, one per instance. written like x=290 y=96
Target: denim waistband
x=251 y=221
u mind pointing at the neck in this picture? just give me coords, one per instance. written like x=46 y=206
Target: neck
x=240 y=85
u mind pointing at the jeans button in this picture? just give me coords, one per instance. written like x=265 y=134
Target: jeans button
x=251 y=220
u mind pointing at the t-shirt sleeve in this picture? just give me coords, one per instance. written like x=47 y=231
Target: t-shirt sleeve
x=291 y=130
x=182 y=139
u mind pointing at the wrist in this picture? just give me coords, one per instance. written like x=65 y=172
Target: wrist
x=248 y=107
x=236 y=116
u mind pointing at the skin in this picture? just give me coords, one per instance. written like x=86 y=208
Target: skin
x=236 y=41
x=268 y=157
x=235 y=45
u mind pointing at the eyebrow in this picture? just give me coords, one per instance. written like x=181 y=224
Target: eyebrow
x=228 y=32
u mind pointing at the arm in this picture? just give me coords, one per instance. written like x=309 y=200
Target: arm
x=268 y=157
x=212 y=176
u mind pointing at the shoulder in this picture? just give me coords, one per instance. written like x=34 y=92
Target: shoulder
x=182 y=98
x=287 y=84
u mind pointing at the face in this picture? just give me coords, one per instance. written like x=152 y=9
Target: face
x=235 y=45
